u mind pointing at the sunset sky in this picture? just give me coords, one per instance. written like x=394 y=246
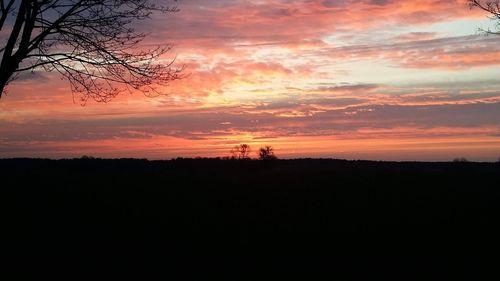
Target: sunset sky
x=365 y=79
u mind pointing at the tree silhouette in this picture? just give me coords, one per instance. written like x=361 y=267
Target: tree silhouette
x=460 y=160
x=91 y=43
x=241 y=152
x=267 y=153
x=490 y=6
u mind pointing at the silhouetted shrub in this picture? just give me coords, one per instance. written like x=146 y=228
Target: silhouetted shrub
x=267 y=153
x=460 y=160
x=86 y=157
x=241 y=152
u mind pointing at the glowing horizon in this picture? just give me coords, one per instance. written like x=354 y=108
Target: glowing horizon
x=379 y=80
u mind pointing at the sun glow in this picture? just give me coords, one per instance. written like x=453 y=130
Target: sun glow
x=310 y=78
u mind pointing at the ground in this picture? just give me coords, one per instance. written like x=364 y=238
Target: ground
x=346 y=220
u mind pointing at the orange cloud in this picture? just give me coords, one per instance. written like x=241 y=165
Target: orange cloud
x=278 y=72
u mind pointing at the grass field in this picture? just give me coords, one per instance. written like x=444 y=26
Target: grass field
x=345 y=220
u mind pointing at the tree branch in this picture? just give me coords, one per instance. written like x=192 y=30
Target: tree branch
x=91 y=43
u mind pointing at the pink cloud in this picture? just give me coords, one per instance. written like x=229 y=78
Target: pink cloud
x=267 y=72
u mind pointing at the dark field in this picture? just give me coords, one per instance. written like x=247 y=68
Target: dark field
x=312 y=219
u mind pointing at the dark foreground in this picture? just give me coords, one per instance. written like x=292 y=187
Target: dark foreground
x=312 y=219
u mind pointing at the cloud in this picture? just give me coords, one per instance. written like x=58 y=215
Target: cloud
x=304 y=75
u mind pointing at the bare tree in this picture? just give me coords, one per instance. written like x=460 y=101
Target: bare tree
x=241 y=152
x=267 y=153
x=490 y=6
x=91 y=43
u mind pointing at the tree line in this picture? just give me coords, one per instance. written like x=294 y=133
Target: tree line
x=243 y=152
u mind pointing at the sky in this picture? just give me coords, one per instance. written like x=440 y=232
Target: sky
x=365 y=79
